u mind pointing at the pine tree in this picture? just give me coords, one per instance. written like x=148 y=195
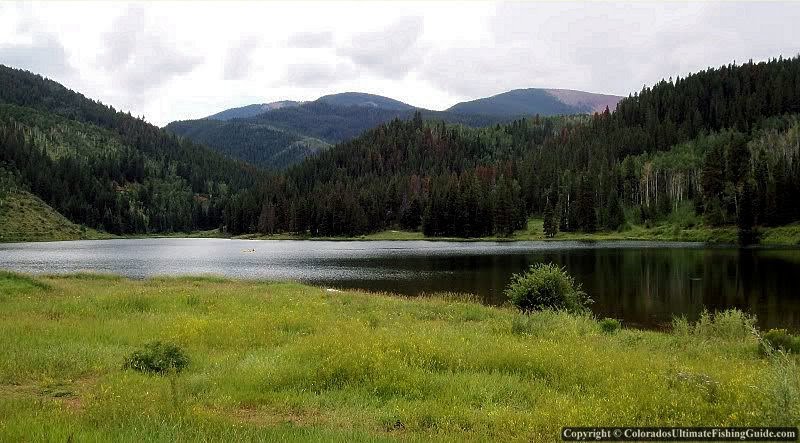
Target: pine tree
x=550 y=227
x=745 y=217
x=585 y=207
x=712 y=175
x=615 y=217
x=503 y=208
x=266 y=220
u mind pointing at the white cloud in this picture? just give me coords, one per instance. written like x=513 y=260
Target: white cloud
x=178 y=60
x=392 y=52
x=239 y=59
x=44 y=55
x=140 y=57
x=318 y=74
x=309 y=40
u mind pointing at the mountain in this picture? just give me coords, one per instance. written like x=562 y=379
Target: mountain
x=363 y=99
x=285 y=136
x=251 y=110
x=279 y=134
x=532 y=101
x=342 y=99
x=586 y=102
x=106 y=169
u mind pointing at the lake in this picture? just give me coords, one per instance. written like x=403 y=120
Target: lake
x=642 y=283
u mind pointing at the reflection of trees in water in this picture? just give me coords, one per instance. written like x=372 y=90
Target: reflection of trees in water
x=649 y=286
x=644 y=287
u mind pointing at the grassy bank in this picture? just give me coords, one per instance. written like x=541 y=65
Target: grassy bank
x=281 y=361
x=784 y=235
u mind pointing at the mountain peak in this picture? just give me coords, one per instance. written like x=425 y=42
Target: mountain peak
x=365 y=99
x=252 y=110
x=544 y=102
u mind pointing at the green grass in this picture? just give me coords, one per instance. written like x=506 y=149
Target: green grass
x=665 y=231
x=782 y=235
x=25 y=217
x=211 y=233
x=288 y=362
x=533 y=231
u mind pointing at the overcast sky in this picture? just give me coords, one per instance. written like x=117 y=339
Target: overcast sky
x=170 y=61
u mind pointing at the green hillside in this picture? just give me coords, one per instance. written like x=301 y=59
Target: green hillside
x=253 y=141
x=271 y=139
x=106 y=169
x=25 y=217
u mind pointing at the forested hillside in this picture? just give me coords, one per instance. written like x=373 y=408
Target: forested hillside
x=717 y=147
x=106 y=169
x=254 y=142
x=286 y=136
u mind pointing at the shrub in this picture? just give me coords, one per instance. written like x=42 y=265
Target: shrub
x=681 y=326
x=609 y=325
x=158 y=358
x=546 y=286
x=779 y=339
x=780 y=384
x=731 y=324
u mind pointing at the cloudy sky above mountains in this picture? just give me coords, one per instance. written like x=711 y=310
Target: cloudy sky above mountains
x=167 y=61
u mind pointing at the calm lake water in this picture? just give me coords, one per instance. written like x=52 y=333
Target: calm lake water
x=642 y=283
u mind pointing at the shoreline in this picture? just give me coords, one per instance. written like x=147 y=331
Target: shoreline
x=727 y=237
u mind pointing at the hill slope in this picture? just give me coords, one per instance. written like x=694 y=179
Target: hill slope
x=364 y=99
x=544 y=102
x=252 y=141
x=285 y=136
x=25 y=217
x=108 y=170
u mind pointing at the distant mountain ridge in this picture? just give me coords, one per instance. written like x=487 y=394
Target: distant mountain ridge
x=282 y=133
x=364 y=99
x=285 y=136
x=252 y=110
x=588 y=102
x=544 y=102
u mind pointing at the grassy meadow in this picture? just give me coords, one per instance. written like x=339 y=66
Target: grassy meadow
x=289 y=362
